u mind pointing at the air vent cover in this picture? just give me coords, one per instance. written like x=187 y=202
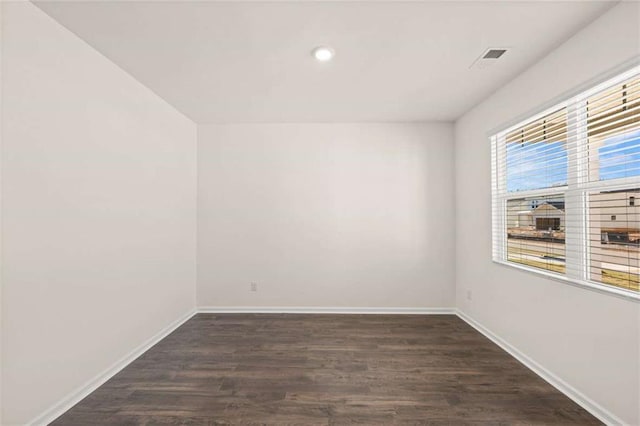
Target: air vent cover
x=494 y=53
x=489 y=57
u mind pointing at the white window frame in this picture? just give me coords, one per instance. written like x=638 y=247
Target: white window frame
x=575 y=193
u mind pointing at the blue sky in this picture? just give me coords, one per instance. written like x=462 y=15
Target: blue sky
x=536 y=165
x=543 y=165
x=620 y=156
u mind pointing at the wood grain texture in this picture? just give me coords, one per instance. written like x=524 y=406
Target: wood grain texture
x=325 y=370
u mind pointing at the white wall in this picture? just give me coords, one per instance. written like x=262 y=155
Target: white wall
x=588 y=339
x=1 y=266
x=325 y=215
x=98 y=214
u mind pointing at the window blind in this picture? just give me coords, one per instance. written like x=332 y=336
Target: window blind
x=536 y=153
x=613 y=123
x=564 y=188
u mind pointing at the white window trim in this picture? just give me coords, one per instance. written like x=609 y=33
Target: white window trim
x=575 y=192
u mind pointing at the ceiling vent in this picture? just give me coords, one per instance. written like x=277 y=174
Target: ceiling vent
x=489 y=57
x=494 y=53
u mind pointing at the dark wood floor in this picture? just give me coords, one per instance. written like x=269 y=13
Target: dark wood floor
x=325 y=369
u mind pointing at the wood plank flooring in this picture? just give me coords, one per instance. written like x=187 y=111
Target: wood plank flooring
x=325 y=370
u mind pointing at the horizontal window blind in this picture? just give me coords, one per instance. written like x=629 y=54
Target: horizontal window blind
x=613 y=124
x=565 y=185
x=536 y=232
x=536 y=153
x=614 y=238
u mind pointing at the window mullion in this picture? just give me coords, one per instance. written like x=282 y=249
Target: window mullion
x=577 y=175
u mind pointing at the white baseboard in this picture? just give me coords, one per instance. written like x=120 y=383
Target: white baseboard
x=83 y=391
x=322 y=310
x=579 y=398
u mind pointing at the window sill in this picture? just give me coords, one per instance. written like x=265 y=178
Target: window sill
x=601 y=288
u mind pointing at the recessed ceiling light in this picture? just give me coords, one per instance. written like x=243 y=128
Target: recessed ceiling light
x=323 y=54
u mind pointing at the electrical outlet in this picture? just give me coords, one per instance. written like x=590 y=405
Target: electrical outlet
x=253 y=287
x=469 y=295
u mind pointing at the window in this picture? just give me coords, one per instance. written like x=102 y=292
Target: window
x=614 y=244
x=535 y=236
x=564 y=185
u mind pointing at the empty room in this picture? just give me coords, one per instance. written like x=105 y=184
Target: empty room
x=319 y=212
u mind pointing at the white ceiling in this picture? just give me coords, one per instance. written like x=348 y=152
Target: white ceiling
x=251 y=62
